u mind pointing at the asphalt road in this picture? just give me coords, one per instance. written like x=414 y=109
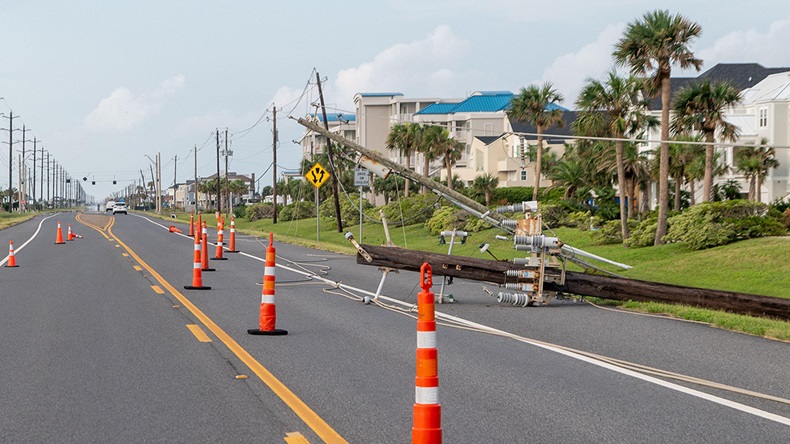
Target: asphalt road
x=92 y=353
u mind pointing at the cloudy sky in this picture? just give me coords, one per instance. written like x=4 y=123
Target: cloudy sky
x=102 y=84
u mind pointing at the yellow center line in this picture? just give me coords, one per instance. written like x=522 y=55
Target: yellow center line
x=315 y=422
x=138 y=268
x=295 y=438
x=198 y=332
x=157 y=289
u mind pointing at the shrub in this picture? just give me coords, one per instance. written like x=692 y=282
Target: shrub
x=644 y=233
x=240 y=211
x=349 y=209
x=611 y=232
x=446 y=218
x=786 y=218
x=260 y=211
x=719 y=223
x=297 y=211
x=415 y=209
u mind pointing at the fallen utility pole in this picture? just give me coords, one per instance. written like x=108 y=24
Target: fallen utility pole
x=583 y=284
x=442 y=190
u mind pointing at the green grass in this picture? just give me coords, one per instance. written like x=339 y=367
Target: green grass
x=757 y=266
x=10 y=219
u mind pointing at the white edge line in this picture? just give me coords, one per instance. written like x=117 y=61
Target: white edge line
x=679 y=388
x=33 y=236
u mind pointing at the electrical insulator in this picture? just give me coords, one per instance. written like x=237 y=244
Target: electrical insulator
x=513 y=298
x=524 y=274
x=520 y=286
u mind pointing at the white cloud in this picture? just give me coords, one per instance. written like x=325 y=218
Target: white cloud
x=569 y=72
x=122 y=110
x=768 y=48
x=428 y=66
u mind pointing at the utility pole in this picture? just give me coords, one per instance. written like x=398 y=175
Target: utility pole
x=197 y=192
x=335 y=191
x=158 y=183
x=34 y=172
x=227 y=177
x=219 y=200
x=42 y=177
x=21 y=194
x=274 y=163
x=42 y=172
x=10 y=158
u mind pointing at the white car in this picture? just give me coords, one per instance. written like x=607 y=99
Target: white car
x=119 y=207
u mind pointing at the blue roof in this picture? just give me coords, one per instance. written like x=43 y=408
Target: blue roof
x=335 y=117
x=438 y=108
x=484 y=103
x=381 y=94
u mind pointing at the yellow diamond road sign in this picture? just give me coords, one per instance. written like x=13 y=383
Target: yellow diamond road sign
x=317 y=175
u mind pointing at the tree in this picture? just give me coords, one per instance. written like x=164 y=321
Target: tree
x=681 y=157
x=655 y=43
x=450 y=150
x=405 y=137
x=617 y=107
x=431 y=138
x=755 y=162
x=700 y=107
x=538 y=106
x=484 y=186
x=569 y=173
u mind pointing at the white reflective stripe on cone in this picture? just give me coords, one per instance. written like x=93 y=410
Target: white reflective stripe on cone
x=426 y=339
x=426 y=395
x=267 y=299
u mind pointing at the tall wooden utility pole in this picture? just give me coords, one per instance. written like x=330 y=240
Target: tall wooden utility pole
x=197 y=191
x=332 y=172
x=227 y=176
x=34 y=173
x=10 y=159
x=219 y=199
x=274 y=162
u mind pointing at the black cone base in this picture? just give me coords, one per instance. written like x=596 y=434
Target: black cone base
x=218 y=258
x=60 y=243
x=207 y=269
x=190 y=287
x=12 y=266
x=275 y=332
x=234 y=251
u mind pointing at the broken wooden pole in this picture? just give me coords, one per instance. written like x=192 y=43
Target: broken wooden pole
x=583 y=284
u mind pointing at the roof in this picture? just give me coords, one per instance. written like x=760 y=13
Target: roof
x=484 y=103
x=525 y=127
x=739 y=75
x=438 y=108
x=488 y=140
x=336 y=117
x=773 y=87
x=381 y=94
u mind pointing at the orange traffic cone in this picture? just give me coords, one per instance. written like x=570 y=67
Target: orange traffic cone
x=204 y=250
x=70 y=236
x=268 y=317
x=11 y=259
x=191 y=224
x=173 y=229
x=220 y=238
x=59 y=238
x=427 y=427
x=197 y=273
x=232 y=246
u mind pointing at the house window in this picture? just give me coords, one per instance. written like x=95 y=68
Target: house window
x=763 y=117
x=523 y=174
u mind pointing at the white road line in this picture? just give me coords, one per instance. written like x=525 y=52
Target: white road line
x=696 y=393
x=33 y=236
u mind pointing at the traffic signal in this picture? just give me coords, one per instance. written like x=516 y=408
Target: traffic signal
x=93 y=182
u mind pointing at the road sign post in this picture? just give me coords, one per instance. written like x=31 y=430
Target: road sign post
x=361 y=175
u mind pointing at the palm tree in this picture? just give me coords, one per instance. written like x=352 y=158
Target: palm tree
x=755 y=162
x=700 y=107
x=617 y=107
x=431 y=140
x=681 y=157
x=569 y=173
x=451 y=151
x=655 y=43
x=485 y=185
x=537 y=105
x=405 y=137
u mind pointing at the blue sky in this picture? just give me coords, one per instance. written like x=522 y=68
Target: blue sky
x=103 y=83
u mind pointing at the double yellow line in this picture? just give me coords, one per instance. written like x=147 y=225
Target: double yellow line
x=315 y=422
